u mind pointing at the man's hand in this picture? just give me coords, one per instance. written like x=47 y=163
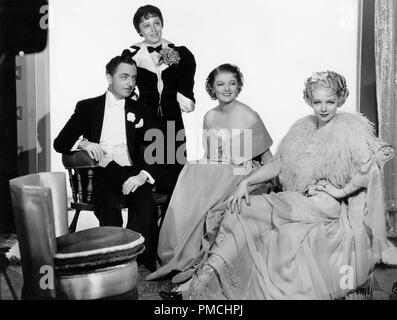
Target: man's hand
x=133 y=183
x=94 y=149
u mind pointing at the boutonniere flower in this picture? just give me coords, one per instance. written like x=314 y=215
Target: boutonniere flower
x=130 y=117
x=139 y=124
x=169 y=56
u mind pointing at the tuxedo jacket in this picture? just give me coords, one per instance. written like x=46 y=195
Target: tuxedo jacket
x=175 y=78
x=87 y=121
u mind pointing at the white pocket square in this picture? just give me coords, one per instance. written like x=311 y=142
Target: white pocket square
x=139 y=124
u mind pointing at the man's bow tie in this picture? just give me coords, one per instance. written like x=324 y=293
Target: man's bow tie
x=157 y=49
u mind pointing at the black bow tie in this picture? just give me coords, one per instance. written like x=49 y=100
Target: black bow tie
x=157 y=49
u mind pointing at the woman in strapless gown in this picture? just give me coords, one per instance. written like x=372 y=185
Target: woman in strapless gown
x=236 y=143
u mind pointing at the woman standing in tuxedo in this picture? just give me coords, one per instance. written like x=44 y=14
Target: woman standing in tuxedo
x=165 y=82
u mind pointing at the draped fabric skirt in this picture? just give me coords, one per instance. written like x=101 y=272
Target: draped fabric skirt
x=286 y=246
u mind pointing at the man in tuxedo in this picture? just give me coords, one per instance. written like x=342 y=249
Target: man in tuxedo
x=111 y=129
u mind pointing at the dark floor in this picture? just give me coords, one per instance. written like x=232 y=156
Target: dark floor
x=383 y=280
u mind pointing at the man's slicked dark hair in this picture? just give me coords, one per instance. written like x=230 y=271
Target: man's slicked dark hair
x=146 y=12
x=114 y=63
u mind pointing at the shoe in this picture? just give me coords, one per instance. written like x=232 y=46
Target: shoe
x=170 y=295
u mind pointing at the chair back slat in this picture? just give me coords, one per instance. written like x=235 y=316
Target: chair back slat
x=72 y=187
x=79 y=187
x=90 y=187
x=80 y=167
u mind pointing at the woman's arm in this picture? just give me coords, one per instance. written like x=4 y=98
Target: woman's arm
x=358 y=182
x=268 y=171
x=185 y=80
x=266 y=157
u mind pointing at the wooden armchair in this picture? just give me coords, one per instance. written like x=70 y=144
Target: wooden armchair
x=81 y=169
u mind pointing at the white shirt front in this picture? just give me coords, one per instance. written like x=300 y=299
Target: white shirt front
x=113 y=139
x=113 y=128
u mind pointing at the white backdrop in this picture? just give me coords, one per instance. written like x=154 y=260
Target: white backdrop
x=276 y=44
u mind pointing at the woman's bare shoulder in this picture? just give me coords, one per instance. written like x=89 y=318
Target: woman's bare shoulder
x=246 y=114
x=211 y=116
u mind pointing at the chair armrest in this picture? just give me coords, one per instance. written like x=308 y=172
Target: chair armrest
x=78 y=159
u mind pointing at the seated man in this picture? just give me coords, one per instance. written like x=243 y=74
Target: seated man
x=111 y=129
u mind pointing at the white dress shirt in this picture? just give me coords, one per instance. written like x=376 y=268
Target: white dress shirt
x=113 y=137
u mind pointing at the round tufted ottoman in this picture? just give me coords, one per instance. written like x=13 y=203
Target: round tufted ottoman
x=97 y=263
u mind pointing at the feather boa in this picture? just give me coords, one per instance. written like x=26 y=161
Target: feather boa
x=335 y=152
